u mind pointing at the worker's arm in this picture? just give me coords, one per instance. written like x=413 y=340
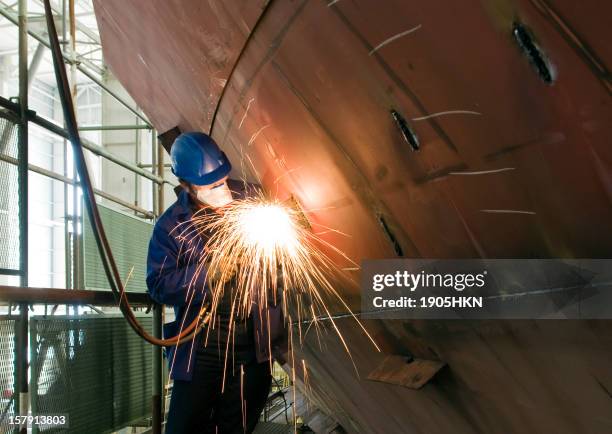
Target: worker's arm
x=173 y=278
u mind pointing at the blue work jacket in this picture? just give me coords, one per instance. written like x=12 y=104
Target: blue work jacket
x=172 y=272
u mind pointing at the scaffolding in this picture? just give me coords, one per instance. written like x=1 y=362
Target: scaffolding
x=16 y=122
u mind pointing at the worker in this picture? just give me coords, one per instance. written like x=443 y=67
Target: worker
x=199 y=403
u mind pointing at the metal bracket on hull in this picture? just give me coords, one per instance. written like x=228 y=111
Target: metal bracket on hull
x=167 y=138
x=406 y=371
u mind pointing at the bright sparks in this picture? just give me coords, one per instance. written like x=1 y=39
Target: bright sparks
x=257 y=249
x=263 y=252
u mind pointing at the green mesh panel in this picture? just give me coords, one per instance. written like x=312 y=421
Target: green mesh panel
x=94 y=369
x=9 y=194
x=129 y=240
x=7 y=374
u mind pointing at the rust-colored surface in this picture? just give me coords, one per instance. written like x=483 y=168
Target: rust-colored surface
x=144 y=42
x=523 y=170
x=412 y=373
x=501 y=377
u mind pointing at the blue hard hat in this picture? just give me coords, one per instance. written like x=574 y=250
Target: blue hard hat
x=197 y=159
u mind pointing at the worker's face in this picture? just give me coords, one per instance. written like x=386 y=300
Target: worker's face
x=214 y=195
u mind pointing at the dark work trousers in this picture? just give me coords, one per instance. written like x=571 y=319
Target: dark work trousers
x=199 y=406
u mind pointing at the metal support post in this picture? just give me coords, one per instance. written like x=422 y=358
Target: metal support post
x=22 y=169
x=158 y=388
x=160 y=173
x=154 y=171
x=137 y=162
x=76 y=241
x=21 y=361
x=157 y=395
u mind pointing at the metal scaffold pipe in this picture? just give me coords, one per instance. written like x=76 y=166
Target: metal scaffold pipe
x=90 y=146
x=69 y=181
x=21 y=330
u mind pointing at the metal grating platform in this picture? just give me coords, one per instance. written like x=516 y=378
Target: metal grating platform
x=273 y=428
x=129 y=240
x=7 y=373
x=94 y=369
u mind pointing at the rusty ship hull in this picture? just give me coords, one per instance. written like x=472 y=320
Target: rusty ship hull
x=505 y=153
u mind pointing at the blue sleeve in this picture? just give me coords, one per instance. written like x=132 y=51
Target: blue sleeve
x=173 y=278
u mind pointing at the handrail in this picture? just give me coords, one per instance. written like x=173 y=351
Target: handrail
x=18 y=294
x=56 y=176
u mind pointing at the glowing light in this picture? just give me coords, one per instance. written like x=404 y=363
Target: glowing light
x=268 y=227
